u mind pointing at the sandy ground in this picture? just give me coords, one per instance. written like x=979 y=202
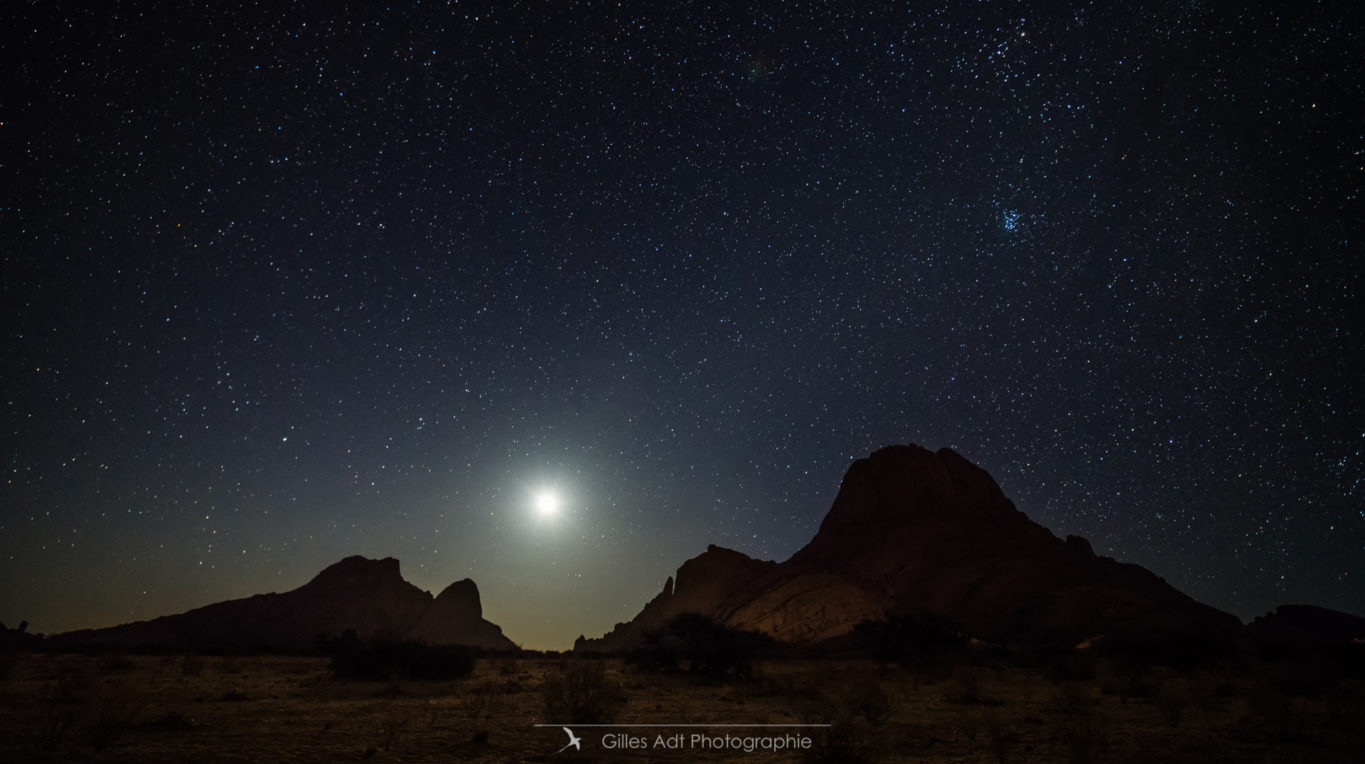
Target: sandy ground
x=61 y=708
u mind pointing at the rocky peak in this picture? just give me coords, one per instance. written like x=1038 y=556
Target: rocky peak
x=456 y=617
x=905 y=486
x=461 y=596
x=356 y=572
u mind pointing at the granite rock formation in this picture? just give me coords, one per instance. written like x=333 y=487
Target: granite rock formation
x=369 y=597
x=456 y=617
x=913 y=531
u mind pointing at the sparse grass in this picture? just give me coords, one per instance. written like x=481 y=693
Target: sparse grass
x=59 y=708
x=683 y=707
x=115 y=662
x=996 y=737
x=1127 y=682
x=964 y=688
x=192 y=664
x=481 y=705
x=172 y=721
x=1274 y=711
x=1082 y=728
x=395 y=718
x=1085 y=737
x=231 y=664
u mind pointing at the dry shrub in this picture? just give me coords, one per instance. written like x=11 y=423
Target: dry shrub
x=480 y=704
x=57 y=719
x=113 y=709
x=72 y=689
x=1129 y=681
x=1275 y=710
x=996 y=737
x=969 y=721
x=396 y=718
x=965 y=688
x=1083 y=729
x=1173 y=700
x=581 y=694
x=864 y=697
x=1085 y=737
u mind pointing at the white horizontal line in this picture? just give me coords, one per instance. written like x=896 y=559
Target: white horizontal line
x=570 y=724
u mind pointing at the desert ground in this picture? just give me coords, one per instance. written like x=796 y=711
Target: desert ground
x=191 y=708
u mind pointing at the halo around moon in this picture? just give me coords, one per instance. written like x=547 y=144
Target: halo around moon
x=546 y=503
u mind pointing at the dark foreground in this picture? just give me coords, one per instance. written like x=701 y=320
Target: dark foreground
x=181 y=708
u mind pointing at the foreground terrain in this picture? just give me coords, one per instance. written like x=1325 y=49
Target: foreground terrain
x=118 y=708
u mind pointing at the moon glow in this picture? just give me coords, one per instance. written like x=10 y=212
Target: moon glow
x=546 y=504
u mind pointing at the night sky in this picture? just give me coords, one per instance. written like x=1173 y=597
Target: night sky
x=290 y=282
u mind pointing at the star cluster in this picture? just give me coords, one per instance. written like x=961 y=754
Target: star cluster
x=287 y=283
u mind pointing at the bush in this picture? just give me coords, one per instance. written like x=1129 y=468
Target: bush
x=657 y=653
x=1083 y=730
x=581 y=694
x=965 y=688
x=698 y=645
x=481 y=705
x=1276 y=712
x=910 y=638
x=386 y=661
x=1129 y=681
x=74 y=688
x=1071 y=665
x=112 y=712
x=1173 y=701
x=1185 y=652
x=864 y=697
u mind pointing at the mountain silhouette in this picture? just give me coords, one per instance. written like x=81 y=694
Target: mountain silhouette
x=1307 y=626
x=913 y=531
x=369 y=597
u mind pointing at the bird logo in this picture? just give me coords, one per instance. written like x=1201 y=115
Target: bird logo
x=574 y=741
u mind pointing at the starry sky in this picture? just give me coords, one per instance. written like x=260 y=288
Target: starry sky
x=286 y=282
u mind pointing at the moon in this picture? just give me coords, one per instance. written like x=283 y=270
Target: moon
x=547 y=504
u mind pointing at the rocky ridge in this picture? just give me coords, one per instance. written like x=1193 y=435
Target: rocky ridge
x=369 y=597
